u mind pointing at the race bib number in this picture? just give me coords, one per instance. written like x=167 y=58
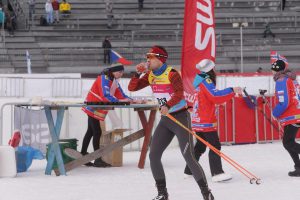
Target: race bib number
x=162 y=101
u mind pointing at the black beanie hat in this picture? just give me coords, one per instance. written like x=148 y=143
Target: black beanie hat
x=116 y=67
x=278 y=65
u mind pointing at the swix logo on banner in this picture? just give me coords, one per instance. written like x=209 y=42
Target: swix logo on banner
x=199 y=41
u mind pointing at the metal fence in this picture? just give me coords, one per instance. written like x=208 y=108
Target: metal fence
x=66 y=87
x=60 y=87
x=11 y=87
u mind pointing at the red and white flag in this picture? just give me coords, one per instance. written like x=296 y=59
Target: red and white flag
x=275 y=56
x=116 y=57
x=199 y=40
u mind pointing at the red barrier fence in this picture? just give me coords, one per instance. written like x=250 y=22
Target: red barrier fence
x=240 y=123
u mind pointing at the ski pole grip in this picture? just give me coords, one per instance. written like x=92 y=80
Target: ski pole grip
x=245 y=92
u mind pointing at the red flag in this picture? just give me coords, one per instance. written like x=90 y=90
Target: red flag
x=275 y=56
x=199 y=40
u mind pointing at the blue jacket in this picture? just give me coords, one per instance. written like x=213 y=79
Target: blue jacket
x=287 y=108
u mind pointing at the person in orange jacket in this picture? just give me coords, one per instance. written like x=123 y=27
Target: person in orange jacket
x=105 y=89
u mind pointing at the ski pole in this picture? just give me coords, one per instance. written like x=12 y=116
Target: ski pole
x=281 y=131
x=264 y=114
x=249 y=175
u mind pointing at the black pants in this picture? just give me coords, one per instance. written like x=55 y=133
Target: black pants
x=289 y=143
x=268 y=32
x=106 y=56
x=214 y=160
x=141 y=4
x=93 y=131
x=283 y=4
x=162 y=137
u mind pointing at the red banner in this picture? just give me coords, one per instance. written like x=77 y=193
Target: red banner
x=199 y=40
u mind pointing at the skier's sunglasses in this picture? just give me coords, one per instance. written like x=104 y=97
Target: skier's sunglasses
x=153 y=55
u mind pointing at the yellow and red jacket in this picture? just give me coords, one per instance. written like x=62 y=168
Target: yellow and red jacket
x=163 y=89
x=166 y=85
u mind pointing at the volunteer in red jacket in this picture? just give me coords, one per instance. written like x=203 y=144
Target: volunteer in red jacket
x=105 y=89
x=167 y=87
x=204 y=120
x=287 y=110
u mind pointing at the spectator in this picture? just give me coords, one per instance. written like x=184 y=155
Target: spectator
x=65 y=8
x=106 y=45
x=109 y=13
x=268 y=31
x=2 y=17
x=141 y=5
x=31 y=4
x=49 y=12
x=282 y=5
x=55 y=6
x=10 y=21
x=259 y=70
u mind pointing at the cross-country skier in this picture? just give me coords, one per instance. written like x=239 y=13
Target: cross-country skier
x=204 y=120
x=287 y=109
x=167 y=87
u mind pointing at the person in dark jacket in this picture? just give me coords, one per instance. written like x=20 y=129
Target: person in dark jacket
x=106 y=45
x=283 y=4
x=141 y=5
x=287 y=110
x=268 y=31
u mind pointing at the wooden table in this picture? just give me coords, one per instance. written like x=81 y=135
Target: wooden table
x=54 y=152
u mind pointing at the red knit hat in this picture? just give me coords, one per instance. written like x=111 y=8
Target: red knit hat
x=159 y=52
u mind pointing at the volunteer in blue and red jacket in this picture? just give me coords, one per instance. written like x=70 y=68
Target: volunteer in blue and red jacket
x=105 y=89
x=287 y=109
x=204 y=120
x=167 y=87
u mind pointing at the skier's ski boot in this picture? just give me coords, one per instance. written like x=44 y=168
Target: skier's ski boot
x=223 y=177
x=187 y=173
x=295 y=173
x=161 y=190
x=206 y=192
x=100 y=163
x=162 y=194
x=88 y=164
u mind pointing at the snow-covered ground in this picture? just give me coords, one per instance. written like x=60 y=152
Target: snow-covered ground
x=268 y=161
